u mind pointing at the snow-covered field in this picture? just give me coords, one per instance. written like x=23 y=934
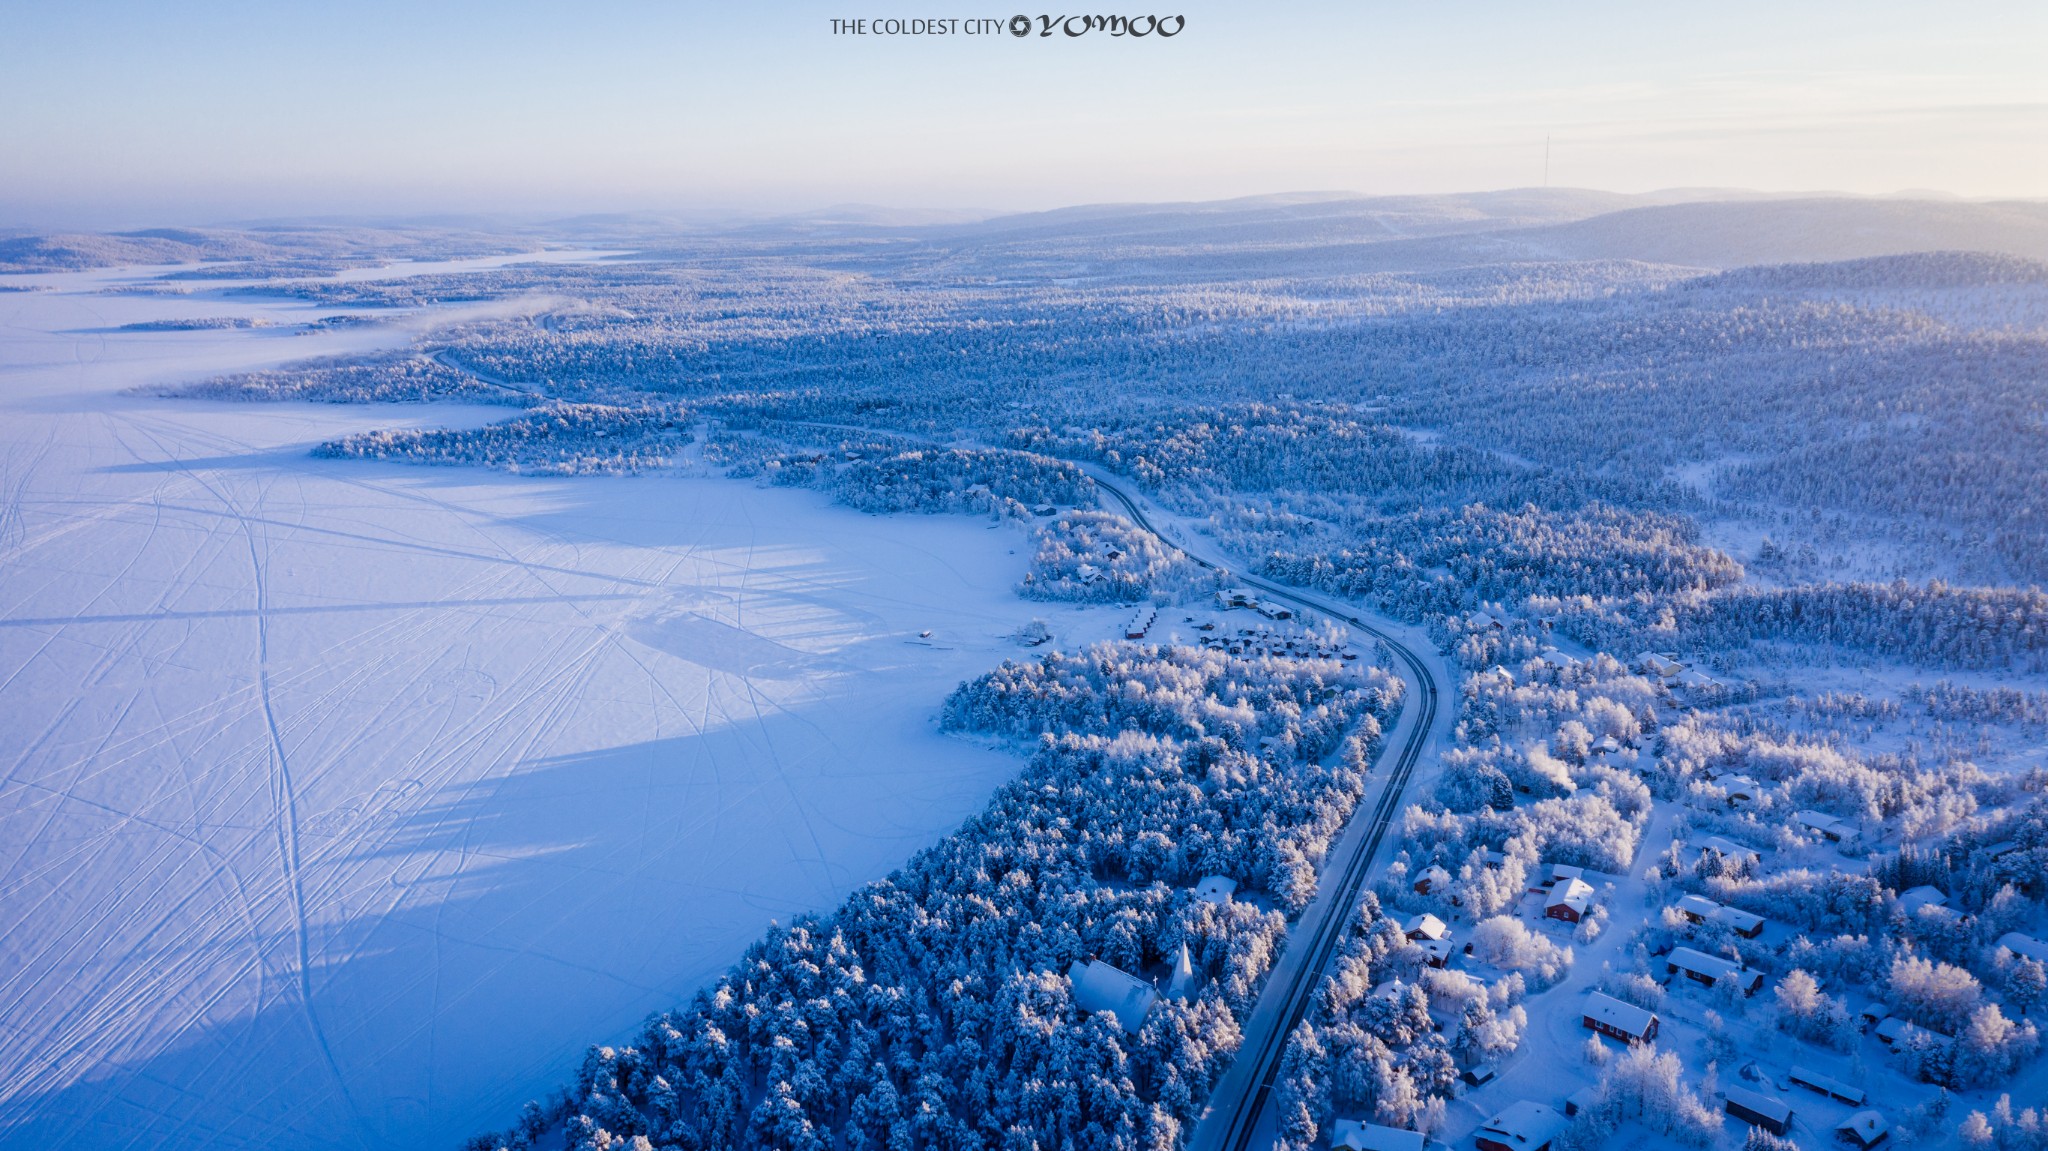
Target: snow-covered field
x=345 y=802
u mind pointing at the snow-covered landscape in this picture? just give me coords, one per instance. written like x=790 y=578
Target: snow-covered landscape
x=344 y=800
x=1516 y=681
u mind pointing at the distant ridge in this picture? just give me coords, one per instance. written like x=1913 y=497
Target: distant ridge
x=1730 y=235
x=1921 y=270
x=1301 y=233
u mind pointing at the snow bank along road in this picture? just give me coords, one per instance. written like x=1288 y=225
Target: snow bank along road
x=342 y=804
x=1237 y=1111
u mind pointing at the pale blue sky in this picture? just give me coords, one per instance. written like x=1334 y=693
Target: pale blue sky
x=126 y=113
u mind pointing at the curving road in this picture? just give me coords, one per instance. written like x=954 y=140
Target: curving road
x=1236 y=1108
x=1232 y=1122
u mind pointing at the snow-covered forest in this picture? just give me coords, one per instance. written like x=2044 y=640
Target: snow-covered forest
x=933 y=1009
x=1732 y=568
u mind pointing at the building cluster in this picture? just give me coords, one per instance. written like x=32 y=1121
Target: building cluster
x=1239 y=597
x=1264 y=641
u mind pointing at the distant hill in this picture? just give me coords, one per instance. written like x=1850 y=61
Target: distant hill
x=70 y=251
x=1293 y=220
x=1730 y=235
x=1312 y=234
x=1914 y=270
x=1332 y=236
x=311 y=248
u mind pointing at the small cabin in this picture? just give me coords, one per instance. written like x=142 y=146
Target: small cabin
x=1865 y=1129
x=1617 y=1019
x=1914 y=898
x=1426 y=926
x=1830 y=828
x=1697 y=908
x=1824 y=1085
x=1757 y=1110
x=1659 y=665
x=1523 y=1126
x=2024 y=946
x=1431 y=878
x=1361 y=1136
x=1708 y=970
x=1747 y=924
x=1728 y=849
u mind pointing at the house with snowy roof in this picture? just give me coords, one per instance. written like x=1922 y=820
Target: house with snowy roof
x=1698 y=682
x=1758 y=1110
x=1865 y=1129
x=1426 y=926
x=1618 y=1019
x=1825 y=1085
x=1831 y=828
x=1431 y=878
x=1657 y=664
x=1740 y=789
x=1697 y=908
x=1361 y=1136
x=1914 y=898
x=1728 y=848
x=1747 y=924
x=1523 y=1126
x=2024 y=946
x=1569 y=901
x=1708 y=970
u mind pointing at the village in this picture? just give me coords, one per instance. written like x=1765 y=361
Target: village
x=1757 y=1030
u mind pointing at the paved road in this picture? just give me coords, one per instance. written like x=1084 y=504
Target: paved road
x=1233 y=1121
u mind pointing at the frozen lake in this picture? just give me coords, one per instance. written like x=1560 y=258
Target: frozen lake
x=346 y=803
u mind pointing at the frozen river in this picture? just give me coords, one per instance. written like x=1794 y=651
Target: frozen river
x=345 y=803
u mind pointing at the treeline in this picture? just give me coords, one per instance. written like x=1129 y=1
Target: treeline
x=376 y=380
x=1325 y=449
x=559 y=439
x=884 y=474
x=1440 y=562
x=1934 y=623
x=933 y=1009
x=1099 y=557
